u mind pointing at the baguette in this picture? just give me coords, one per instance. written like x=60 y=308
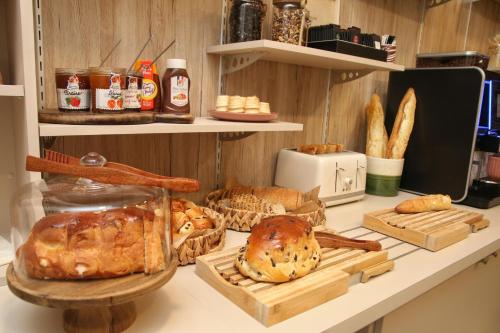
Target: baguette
x=376 y=139
x=426 y=203
x=403 y=126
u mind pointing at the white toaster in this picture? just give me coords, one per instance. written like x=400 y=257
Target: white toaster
x=342 y=176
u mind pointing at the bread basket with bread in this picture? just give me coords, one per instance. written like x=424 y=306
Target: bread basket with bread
x=245 y=206
x=196 y=230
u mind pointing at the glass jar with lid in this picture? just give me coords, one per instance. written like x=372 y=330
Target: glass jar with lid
x=290 y=20
x=73 y=89
x=76 y=228
x=108 y=86
x=245 y=20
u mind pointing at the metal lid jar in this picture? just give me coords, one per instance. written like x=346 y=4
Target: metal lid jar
x=73 y=89
x=290 y=20
x=108 y=86
x=245 y=20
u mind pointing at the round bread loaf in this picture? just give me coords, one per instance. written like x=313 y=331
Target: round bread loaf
x=279 y=249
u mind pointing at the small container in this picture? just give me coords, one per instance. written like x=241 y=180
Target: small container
x=73 y=228
x=132 y=95
x=383 y=176
x=108 y=87
x=245 y=20
x=176 y=85
x=289 y=22
x=151 y=89
x=73 y=89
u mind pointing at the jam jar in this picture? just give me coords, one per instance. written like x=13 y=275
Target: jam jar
x=108 y=87
x=73 y=89
x=132 y=95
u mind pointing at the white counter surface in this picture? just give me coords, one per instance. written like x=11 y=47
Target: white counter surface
x=188 y=304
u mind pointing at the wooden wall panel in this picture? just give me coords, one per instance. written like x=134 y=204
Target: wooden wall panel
x=81 y=32
x=484 y=24
x=445 y=27
x=348 y=99
x=73 y=40
x=298 y=94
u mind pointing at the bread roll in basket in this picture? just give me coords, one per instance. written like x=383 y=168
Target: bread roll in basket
x=244 y=219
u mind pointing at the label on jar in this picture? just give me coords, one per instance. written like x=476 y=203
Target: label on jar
x=132 y=96
x=112 y=98
x=149 y=89
x=179 y=90
x=73 y=98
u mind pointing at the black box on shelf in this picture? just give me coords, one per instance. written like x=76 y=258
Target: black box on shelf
x=354 y=49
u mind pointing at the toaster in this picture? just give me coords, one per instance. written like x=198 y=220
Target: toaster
x=342 y=175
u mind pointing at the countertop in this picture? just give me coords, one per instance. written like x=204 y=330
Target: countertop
x=188 y=304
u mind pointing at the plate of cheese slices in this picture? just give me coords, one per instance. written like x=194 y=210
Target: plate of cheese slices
x=238 y=108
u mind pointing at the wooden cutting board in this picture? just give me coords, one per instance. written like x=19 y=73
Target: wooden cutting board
x=271 y=303
x=430 y=230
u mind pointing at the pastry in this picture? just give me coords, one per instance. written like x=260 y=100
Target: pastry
x=264 y=108
x=315 y=149
x=425 y=204
x=255 y=204
x=279 y=249
x=236 y=104
x=222 y=103
x=252 y=105
x=403 y=126
x=376 y=137
x=185 y=211
x=94 y=245
x=290 y=199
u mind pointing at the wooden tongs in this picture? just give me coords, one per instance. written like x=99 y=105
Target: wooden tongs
x=109 y=173
x=330 y=240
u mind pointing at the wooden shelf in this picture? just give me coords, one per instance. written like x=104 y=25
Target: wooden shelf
x=11 y=90
x=301 y=55
x=200 y=125
x=494 y=69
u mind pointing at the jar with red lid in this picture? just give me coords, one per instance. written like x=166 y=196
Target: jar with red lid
x=132 y=95
x=108 y=86
x=73 y=89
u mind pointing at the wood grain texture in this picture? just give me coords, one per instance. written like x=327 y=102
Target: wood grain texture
x=271 y=303
x=347 y=121
x=484 y=24
x=72 y=40
x=77 y=294
x=298 y=94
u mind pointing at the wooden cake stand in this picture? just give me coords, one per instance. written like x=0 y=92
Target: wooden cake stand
x=91 y=306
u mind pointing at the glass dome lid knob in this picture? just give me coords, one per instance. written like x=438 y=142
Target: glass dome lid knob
x=93 y=159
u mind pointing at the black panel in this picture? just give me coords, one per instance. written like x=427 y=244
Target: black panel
x=438 y=156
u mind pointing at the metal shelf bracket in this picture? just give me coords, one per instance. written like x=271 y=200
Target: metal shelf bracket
x=235 y=62
x=234 y=136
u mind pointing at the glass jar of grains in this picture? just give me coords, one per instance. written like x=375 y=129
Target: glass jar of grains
x=289 y=21
x=245 y=20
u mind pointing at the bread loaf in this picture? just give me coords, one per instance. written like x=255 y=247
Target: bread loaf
x=376 y=138
x=424 y=204
x=279 y=249
x=94 y=245
x=252 y=203
x=403 y=126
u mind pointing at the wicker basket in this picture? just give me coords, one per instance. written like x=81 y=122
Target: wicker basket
x=212 y=241
x=244 y=220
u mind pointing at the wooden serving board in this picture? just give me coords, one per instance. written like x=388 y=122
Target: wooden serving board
x=90 y=118
x=271 y=303
x=431 y=230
